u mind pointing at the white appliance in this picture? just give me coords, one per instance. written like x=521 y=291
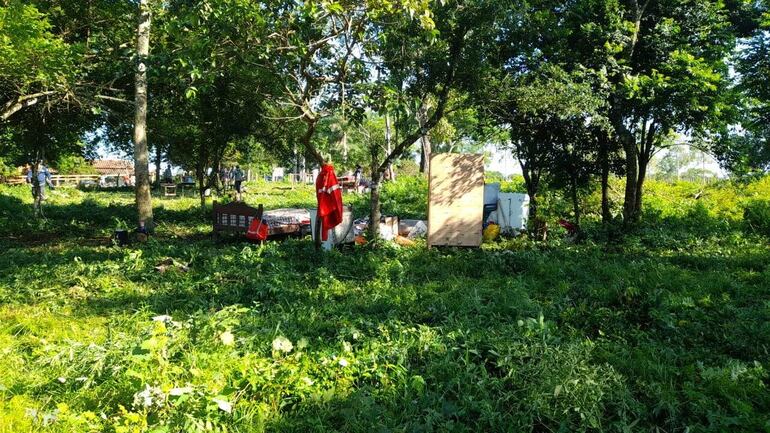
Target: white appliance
x=342 y=234
x=491 y=193
x=512 y=210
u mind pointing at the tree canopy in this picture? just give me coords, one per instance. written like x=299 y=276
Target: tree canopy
x=577 y=90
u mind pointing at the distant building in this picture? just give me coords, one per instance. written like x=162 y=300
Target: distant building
x=113 y=167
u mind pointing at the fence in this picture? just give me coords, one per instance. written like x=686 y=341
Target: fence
x=74 y=179
x=58 y=179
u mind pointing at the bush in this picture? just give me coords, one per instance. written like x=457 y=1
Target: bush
x=756 y=216
x=514 y=184
x=406 y=168
x=407 y=197
x=6 y=169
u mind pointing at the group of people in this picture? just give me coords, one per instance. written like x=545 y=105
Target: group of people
x=168 y=176
x=233 y=176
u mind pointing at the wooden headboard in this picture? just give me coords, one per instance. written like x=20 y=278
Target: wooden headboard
x=234 y=216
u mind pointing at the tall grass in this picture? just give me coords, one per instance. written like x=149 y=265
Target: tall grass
x=665 y=329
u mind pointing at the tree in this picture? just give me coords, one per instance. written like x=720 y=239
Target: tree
x=672 y=76
x=217 y=85
x=551 y=116
x=422 y=63
x=318 y=58
x=141 y=157
x=745 y=149
x=673 y=162
x=545 y=51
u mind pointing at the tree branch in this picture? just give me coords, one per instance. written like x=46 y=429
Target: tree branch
x=21 y=102
x=454 y=55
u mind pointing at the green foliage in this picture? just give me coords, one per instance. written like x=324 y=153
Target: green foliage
x=71 y=164
x=32 y=58
x=515 y=184
x=406 y=197
x=6 y=169
x=653 y=331
x=407 y=167
x=756 y=216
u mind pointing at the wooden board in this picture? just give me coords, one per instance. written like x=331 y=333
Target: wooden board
x=456 y=199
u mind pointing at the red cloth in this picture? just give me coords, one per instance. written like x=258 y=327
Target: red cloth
x=257 y=230
x=329 y=196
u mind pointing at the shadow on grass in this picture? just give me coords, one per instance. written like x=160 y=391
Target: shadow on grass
x=588 y=290
x=641 y=332
x=88 y=219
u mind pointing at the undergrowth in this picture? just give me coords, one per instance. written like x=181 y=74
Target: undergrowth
x=666 y=329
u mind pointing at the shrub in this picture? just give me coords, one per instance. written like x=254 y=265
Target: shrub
x=756 y=216
x=6 y=169
x=407 y=197
x=406 y=168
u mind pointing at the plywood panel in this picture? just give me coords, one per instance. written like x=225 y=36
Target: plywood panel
x=456 y=202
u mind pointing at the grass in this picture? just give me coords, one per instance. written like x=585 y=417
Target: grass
x=663 y=330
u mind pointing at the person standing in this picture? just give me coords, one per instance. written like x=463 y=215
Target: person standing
x=168 y=176
x=238 y=176
x=39 y=177
x=357 y=178
x=223 y=175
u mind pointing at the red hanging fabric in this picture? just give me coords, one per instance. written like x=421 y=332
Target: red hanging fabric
x=329 y=196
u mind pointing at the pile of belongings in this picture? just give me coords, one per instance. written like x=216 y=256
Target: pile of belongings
x=413 y=229
x=282 y=222
x=403 y=232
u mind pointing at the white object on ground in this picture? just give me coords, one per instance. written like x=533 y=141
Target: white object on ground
x=342 y=234
x=419 y=230
x=491 y=193
x=512 y=211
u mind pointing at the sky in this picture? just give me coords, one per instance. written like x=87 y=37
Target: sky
x=504 y=162
x=501 y=161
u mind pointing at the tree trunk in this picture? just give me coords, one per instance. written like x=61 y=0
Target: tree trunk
x=158 y=156
x=389 y=147
x=641 y=177
x=200 y=173
x=375 y=211
x=426 y=150
x=533 y=206
x=374 y=189
x=632 y=170
x=531 y=181
x=141 y=157
x=644 y=157
x=37 y=202
x=308 y=146
x=604 y=161
x=575 y=203
x=532 y=190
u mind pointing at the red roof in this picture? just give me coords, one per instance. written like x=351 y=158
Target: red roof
x=113 y=166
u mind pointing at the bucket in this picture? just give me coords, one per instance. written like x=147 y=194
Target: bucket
x=121 y=237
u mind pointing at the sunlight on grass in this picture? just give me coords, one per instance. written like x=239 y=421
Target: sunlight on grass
x=667 y=328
